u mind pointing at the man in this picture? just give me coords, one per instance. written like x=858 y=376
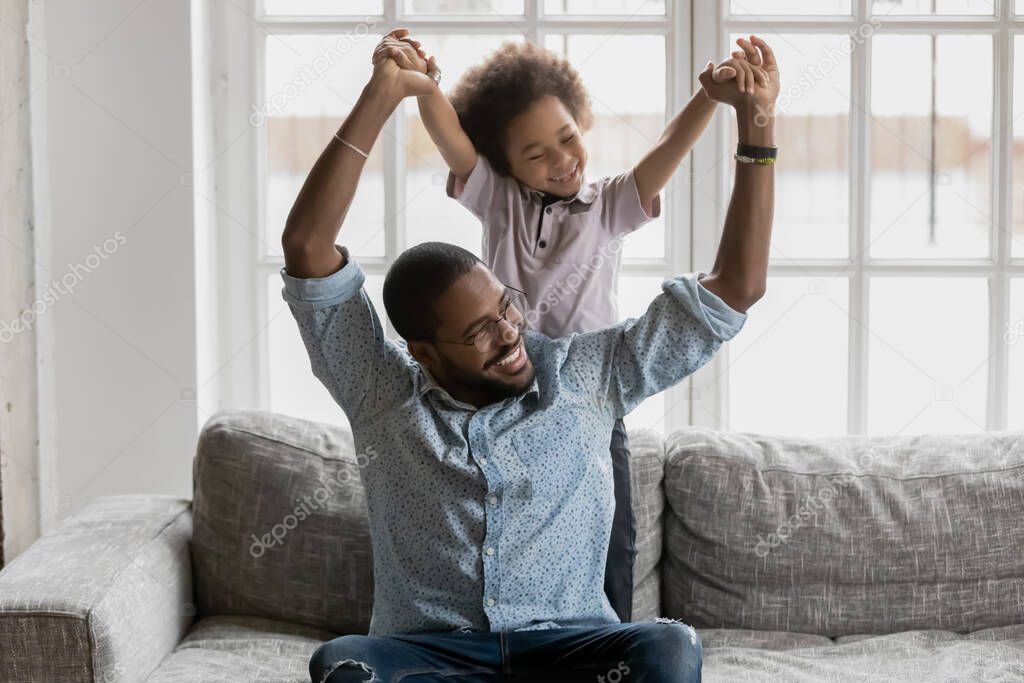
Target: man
x=490 y=496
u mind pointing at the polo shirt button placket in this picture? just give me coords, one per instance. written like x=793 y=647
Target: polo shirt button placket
x=543 y=243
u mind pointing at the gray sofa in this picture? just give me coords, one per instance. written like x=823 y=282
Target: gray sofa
x=839 y=559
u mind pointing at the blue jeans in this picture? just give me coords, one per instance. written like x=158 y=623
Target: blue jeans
x=664 y=651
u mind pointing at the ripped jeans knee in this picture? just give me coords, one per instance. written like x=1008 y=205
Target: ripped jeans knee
x=360 y=671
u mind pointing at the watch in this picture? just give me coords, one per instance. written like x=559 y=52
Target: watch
x=752 y=154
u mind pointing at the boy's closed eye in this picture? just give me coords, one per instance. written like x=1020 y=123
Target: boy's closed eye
x=564 y=141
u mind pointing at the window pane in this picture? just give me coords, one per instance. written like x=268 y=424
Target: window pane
x=630 y=7
x=309 y=90
x=813 y=176
x=1020 y=6
x=928 y=355
x=790 y=7
x=973 y=7
x=931 y=147
x=787 y=368
x=293 y=388
x=1013 y=334
x=1017 y=248
x=635 y=294
x=625 y=76
x=324 y=7
x=429 y=213
x=499 y=7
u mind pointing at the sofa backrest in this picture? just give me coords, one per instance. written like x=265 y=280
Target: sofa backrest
x=647 y=497
x=280 y=527
x=840 y=536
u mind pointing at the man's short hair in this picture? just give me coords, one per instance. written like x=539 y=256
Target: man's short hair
x=416 y=280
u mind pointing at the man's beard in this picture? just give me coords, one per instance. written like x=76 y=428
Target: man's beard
x=495 y=389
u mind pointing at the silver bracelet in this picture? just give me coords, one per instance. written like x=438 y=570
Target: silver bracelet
x=351 y=146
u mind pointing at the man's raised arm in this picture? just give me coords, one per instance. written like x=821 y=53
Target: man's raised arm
x=316 y=217
x=740 y=273
x=686 y=324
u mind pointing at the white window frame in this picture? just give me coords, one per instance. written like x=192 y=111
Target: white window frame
x=237 y=81
x=713 y=25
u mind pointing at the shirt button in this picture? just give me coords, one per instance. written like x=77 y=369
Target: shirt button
x=542 y=244
x=483 y=461
x=490 y=550
x=493 y=500
x=490 y=602
x=548 y=211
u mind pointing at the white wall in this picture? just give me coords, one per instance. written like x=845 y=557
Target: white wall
x=116 y=117
x=19 y=424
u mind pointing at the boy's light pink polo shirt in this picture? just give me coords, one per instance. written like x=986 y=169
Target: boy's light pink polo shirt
x=565 y=256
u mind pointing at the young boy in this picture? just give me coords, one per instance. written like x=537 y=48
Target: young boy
x=512 y=136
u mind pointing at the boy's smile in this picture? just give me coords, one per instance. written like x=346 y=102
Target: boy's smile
x=544 y=147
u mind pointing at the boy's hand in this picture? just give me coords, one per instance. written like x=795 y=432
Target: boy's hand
x=756 y=73
x=399 y=62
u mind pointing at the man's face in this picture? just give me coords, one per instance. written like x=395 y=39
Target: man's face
x=478 y=377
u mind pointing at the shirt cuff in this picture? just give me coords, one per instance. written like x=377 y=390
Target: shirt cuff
x=718 y=316
x=313 y=293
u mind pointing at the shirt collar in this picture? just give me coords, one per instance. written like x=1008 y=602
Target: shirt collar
x=585 y=195
x=427 y=383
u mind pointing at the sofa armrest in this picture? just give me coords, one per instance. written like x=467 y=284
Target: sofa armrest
x=104 y=597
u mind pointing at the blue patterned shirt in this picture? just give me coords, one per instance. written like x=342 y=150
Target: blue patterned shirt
x=498 y=518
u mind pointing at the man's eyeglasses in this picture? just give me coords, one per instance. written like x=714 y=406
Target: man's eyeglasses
x=487 y=336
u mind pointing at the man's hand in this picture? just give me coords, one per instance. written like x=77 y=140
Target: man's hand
x=756 y=73
x=740 y=70
x=400 y=64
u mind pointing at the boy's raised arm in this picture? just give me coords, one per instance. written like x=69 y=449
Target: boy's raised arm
x=442 y=123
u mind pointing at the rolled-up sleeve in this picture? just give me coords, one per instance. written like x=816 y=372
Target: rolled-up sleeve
x=681 y=330
x=364 y=371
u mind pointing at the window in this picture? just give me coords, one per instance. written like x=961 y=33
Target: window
x=896 y=294
x=306 y=61
x=894 y=300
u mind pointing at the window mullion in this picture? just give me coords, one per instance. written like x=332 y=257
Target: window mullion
x=1002 y=198
x=534 y=17
x=860 y=196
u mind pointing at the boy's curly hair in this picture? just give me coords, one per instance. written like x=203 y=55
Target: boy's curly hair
x=509 y=81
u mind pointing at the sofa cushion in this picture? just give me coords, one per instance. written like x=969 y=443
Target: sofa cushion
x=280 y=522
x=647 y=496
x=842 y=536
x=988 y=655
x=237 y=648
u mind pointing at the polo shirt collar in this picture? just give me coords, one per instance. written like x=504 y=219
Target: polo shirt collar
x=586 y=194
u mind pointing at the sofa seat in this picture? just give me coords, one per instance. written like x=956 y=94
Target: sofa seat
x=993 y=654
x=241 y=648
x=238 y=648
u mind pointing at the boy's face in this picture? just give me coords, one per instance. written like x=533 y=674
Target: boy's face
x=544 y=147
x=467 y=373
